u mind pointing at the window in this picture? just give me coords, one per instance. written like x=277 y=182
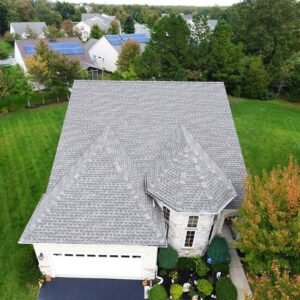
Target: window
x=193 y=221
x=125 y=256
x=68 y=254
x=80 y=255
x=189 y=239
x=91 y=255
x=136 y=256
x=94 y=59
x=102 y=255
x=113 y=256
x=166 y=213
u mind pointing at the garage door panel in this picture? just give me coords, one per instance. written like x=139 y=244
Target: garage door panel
x=97 y=266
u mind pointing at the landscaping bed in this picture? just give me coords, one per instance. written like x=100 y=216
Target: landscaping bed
x=187 y=278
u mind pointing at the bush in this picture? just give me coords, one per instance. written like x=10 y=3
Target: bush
x=201 y=267
x=158 y=292
x=163 y=272
x=225 y=289
x=167 y=258
x=204 y=287
x=223 y=268
x=185 y=263
x=176 y=291
x=218 y=251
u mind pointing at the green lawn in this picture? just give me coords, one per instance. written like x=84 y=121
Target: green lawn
x=7 y=47
x=268 y=131
x=28 y=141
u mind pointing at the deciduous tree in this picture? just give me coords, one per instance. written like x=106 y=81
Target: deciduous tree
x=96 y=32
x=269 y=225
x=114 y=27
x=130 y=53
x=38 y=72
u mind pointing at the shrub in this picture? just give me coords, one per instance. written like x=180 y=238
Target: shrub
x=167 y=258
x=218 y=251
x=204 y=287
x=163 y=272
x=223 y=268
x=185 y=263
x=201 y=266
x=158 y=292
x=176 y=291
x=225 y=289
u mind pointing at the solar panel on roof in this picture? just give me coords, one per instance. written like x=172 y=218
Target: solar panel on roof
x=67 y=48
x=29 y=49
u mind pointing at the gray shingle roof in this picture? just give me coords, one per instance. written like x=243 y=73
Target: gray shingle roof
x=36 y=27
x=97 y=202
x=186 y=178
x=89 y=44
x=102 y=20
x=143 y=117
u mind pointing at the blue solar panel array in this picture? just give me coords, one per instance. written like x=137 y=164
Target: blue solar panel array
x=61 y=48
x=120 y=39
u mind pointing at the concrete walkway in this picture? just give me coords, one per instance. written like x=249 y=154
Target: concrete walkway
x=236 y=270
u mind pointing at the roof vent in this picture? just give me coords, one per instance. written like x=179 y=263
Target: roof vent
x=51 y=40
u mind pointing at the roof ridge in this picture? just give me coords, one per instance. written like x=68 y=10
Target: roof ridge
x=121 y=162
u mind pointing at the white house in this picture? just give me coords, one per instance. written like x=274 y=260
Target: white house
x=71 y=47
x=105 y=52
x=189 y=20
x=84 y=27
x=139 y=165
x=21 y=29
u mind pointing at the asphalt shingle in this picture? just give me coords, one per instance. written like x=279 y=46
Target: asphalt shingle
x=137 y=119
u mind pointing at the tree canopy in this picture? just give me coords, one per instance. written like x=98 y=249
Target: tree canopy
x=269 y=224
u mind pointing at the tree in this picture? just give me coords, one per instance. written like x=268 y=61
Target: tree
x=224 y=58
x=269 y=220
x=96 y=32
x=38 y=72
x=277 y=284
x=255 y=78
x=30 y=34
x=130 y=52
x=67 y=27
x=44 y=12
x=5 y=84
x=269 y=28
x=114 y=27
x=3 y=18
x=167 y=56
x=294 y=79
x=53 y=32
x=128 y=26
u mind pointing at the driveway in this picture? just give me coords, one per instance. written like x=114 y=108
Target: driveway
x=91 y=289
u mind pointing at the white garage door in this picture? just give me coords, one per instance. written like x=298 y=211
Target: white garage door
x=94 y=265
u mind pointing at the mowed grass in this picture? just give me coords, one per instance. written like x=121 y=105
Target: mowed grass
x=8 y=48
x=268 y=131
x=28 y=141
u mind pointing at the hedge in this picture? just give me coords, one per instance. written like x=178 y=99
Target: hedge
x=218 y=251
x=167 y=258
x=158 y=292
x=225 y=289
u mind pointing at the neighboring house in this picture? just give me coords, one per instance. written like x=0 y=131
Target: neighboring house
x=139 y=165
x=21 y=29
x=105 y=52
x=89 y=20
x=141 y=28
x=71 y=47
x=189 y=20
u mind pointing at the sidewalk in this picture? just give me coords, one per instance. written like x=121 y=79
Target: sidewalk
x=236 y=270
